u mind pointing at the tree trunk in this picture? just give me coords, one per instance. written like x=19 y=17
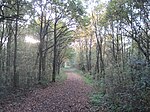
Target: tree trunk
x=97 y=60
x=8 y=60
x=16 y=76
x=55 y=51
x=90 y=56
x=87 y=58
x=99 y=45
x=1 y=46
x=40 y=48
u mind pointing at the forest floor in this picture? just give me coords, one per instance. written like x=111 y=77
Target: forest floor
x=70 y=95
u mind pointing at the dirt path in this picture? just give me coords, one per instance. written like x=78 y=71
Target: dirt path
x=69 y=96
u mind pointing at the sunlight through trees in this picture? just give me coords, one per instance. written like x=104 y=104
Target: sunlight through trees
x=108 y=40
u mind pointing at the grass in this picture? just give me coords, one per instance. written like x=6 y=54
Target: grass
x=59 y=77
x=96 y=96
x=87 y=78
x=62 y=76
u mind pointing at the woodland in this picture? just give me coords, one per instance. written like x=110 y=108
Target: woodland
x=106 y=41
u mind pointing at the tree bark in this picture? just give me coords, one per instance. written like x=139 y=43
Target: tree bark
x=40 y=48
x=16 y=76
x=54 y=50
x=90 y=55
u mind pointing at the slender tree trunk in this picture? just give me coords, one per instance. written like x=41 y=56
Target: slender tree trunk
x=122 y=55
x=99 y=45
x=90 y=55
x=148 y=51
x=40 y=48
x=8 y=60
x=16 y=76
x=44 y=64
x=1 y=46
x=54 y=51
x=97 y=60
x=113 y=42
x=117 y=53
x=81 y=58
x=87 y=58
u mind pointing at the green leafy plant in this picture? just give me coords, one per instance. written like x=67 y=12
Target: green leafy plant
x=62 y=76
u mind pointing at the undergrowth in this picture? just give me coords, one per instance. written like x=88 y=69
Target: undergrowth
x=87 y=78
x=96 y=96
x=62 y=76
x=120 y=96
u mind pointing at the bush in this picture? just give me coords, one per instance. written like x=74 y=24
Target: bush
x=62 y=76
x=124 y=96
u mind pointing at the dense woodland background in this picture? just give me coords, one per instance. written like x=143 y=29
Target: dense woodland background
x=111 y=45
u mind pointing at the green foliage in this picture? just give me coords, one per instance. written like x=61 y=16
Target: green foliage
x=69 y=54
x=121 y=87
x=59 y=77
x=85 y=21
x=95 y=98
x=62 y=76
x=79 y=71
x=125 y=96
x=44 y=82
x=88 y=79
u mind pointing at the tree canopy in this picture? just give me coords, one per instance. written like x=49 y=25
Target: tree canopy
x=109 y=41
